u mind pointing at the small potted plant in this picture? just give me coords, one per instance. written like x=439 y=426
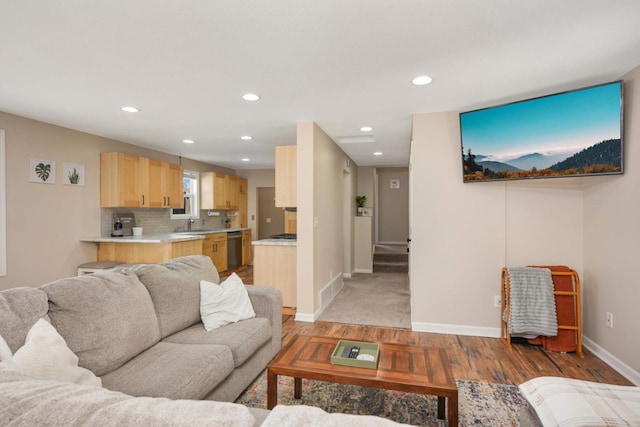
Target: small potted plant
x=227 y=222
x=137 y=230
x=360 y=202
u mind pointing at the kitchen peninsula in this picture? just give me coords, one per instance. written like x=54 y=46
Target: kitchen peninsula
x=274 y=264
x=152 y=248
x=157 y=248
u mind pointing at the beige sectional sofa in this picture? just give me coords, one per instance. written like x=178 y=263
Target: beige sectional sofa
x=138 y=328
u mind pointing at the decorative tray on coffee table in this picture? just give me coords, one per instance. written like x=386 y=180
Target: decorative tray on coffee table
x=366 y=355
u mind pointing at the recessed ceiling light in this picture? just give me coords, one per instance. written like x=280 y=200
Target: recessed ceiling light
x=421 y=80
x=130 y=109
x=246 y=137
x=250 y=97
x=378 y=153
x=188 y=141
x=245 y=160
x=366 y=128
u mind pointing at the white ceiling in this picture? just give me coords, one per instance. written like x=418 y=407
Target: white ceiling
x=343 y=64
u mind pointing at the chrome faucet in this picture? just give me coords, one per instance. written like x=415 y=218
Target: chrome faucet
x=189 y=222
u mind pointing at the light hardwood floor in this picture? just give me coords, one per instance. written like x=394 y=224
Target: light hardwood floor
x=472 y=358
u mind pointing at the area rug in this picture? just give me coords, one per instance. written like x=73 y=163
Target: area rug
x=479 y=403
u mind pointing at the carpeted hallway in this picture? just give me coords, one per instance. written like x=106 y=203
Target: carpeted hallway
x=377 y=299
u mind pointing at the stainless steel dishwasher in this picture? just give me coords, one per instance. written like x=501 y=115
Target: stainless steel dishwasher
x=234 y=249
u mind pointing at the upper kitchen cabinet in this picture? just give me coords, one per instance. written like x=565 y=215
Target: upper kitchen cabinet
x=243 y=186
x=163 y=184
x=138 y=182
x=218 y=191
x=120 y=176
x=286 y=176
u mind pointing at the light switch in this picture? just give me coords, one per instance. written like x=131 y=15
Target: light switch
x=268 y=220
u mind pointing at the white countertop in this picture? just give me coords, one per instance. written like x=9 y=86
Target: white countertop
x=160 y=237
x=145 y=238
x=275 y=242
x=213 y=230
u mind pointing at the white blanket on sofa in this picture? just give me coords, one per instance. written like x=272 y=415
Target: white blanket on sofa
x=27 y=402
x=565 y=402
x=311 y=417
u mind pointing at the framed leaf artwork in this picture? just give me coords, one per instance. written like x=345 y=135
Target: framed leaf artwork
x=42 y=171
x=72 y=174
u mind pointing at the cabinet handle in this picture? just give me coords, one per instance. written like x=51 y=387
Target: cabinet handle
x=143 y=199
x=168 y=200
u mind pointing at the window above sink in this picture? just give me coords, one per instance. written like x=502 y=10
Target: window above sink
x=190 y=208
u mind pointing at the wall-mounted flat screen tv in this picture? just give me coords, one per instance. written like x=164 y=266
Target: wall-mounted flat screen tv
x=576 y=133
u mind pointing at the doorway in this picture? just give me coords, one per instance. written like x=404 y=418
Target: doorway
x=270 y=219
x=392 y=205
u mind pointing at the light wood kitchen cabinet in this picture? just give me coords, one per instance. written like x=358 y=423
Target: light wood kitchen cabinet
x=275 y=266
x=215 y=247
x=232 y=192
x=161 y=184
x=173 y=185
x=148 y=253
x=243 y=186
x=120 y=180
x=139 y=182
x=290 y=222
x=218 y=191
x=246 y=247
x=242 y=211
x=286 y=176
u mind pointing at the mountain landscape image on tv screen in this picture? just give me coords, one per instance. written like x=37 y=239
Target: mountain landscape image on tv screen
x=575 y=133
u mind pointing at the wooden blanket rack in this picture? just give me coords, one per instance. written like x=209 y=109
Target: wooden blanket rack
x=505 y=334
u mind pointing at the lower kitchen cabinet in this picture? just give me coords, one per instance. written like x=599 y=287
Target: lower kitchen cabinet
x=275 y=266
x=215 y=247
x=147 y=253
x=246 y=247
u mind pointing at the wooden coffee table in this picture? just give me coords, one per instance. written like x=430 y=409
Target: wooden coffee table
x=408 y=368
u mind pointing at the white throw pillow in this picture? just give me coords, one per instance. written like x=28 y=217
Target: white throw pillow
x=45 y=356
x=6 y=358
x=225 y=303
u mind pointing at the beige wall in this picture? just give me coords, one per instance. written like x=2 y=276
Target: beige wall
x=365 y=184
x=611 y=238
x=320 y=215
x=463 y=234
x=44 y=221
x=392 y=207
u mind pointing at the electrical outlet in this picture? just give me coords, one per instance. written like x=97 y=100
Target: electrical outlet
x=609 y=320
x=497 y=301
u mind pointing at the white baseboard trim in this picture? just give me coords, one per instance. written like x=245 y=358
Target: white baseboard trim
x=363 y=270
x=346 y=275
x=441 y=328
x=625 y=370
x=304 y=317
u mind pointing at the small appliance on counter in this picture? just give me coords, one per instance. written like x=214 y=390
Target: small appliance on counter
x=123 y=225
x=117 y=229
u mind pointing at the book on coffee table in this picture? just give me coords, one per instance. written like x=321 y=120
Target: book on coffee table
x=356 y=353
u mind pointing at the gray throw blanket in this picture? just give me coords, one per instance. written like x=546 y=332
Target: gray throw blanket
x=533 y=304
